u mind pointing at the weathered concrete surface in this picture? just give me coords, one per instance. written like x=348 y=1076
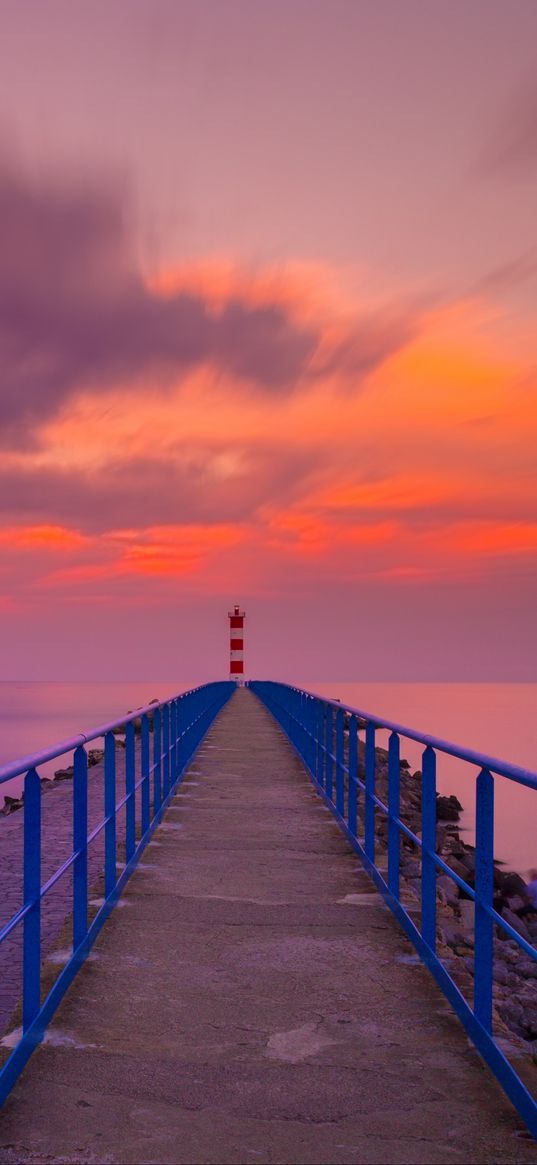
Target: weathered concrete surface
x=254 y=1001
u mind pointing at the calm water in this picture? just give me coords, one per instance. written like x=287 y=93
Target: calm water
x=500 y=719
x=34 y=715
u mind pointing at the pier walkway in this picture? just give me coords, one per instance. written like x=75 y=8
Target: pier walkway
x=254 y=1000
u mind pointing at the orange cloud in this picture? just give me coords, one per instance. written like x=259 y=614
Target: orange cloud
x=492 y=538
x=426 y=472
x=173 y=551
x=42 y=537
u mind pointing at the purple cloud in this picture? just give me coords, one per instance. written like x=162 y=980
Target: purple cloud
x=370 y=342
x=75 y=313
x=145 y=492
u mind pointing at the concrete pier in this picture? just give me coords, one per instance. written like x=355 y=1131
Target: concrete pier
x=254 y=1001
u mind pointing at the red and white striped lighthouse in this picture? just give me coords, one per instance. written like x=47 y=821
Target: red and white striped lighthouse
x=236 y=644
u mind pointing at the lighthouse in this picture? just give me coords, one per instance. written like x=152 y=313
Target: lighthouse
x=236 y=644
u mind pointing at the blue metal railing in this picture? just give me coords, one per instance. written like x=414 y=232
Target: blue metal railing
x=316 y=728
x=177 y=726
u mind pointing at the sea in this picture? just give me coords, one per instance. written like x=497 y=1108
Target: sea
x=497 y=719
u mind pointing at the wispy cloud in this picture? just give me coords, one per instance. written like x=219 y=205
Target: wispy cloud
x=511 y=148
x=510 y=275
x=76 y=314
x=205 y=484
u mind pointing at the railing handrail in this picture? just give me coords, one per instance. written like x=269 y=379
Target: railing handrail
x=481 y=760
x=20 y=765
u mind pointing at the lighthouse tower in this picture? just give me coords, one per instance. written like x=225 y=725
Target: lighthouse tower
x=236 y=645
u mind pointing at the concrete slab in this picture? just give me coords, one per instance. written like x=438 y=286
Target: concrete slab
x=256 y=1001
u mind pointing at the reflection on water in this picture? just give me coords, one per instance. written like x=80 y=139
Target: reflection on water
x=498 y=719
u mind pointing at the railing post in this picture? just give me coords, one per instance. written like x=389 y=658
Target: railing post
x=295 y=710
x=110 y=873
x=302 y=737
x=166 y=750
x=31 y=992
x=484 y=886
x=428 y=848
x=319 y=733
x=311 y=725
x=157 y=762
x=370 y=766
x=329 y=745
x=179 y=722
x=130 y=780
x=173 y=736
x=340 y=783
x=144 y=764
x=189 y=716
x=80 y=846
x=353 y=776
x=394 y=810
x=305 y=718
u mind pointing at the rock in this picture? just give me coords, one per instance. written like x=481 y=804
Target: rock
x=516 y=903
x=11 y=804
x=528 y=1020
x=451 y=842
x=448 y=808
x=527 y=967
x=510 y=1010
x=452 y=934
x=467 y=858
x=95 y=756
x=510 y=950
x=463 y=981
x=513 y=981
x=500 y=973
x=526 y=994
x=459 y=868
x=448 y=889
x=410 y=868
x=466 y=911
x=517 y=923
x=510 y=884
x=464 y=948
x=64 y=774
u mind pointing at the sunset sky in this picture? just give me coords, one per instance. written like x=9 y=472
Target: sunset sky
x=268 y=306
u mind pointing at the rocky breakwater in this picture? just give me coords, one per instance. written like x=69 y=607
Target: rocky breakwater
x=11 y=804
x=514 y=971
